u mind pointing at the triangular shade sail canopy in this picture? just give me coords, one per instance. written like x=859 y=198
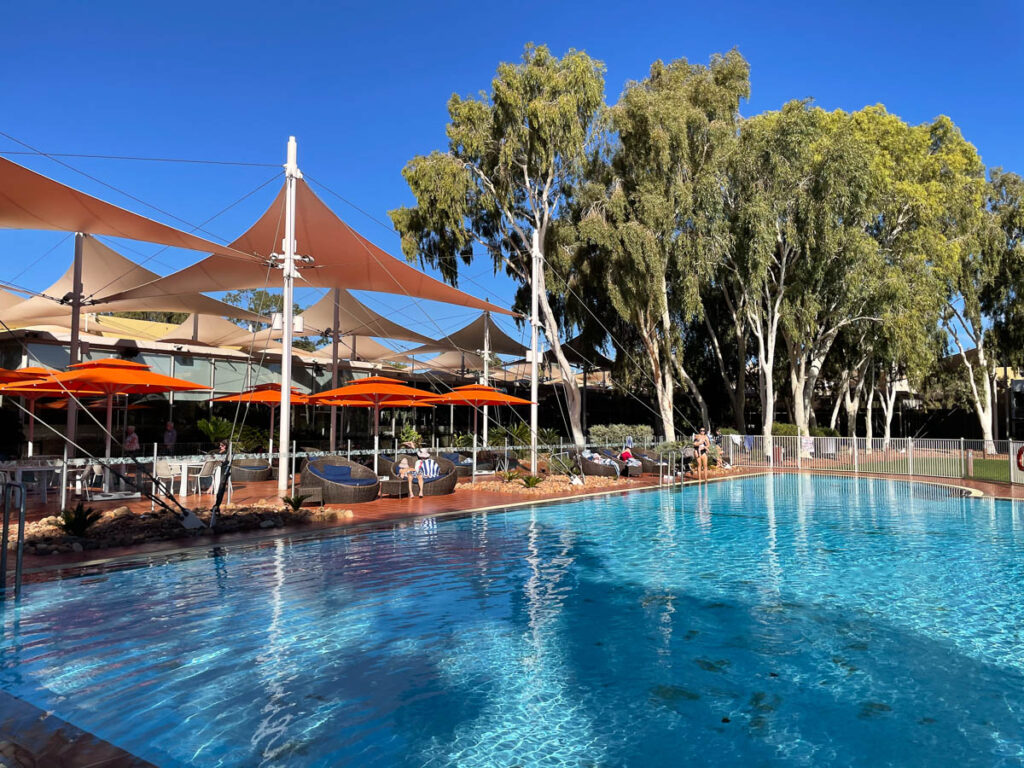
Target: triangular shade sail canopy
x=453 y=361
x=579 y=353
x=342 y=259
x=207 y=330
x=521 y=372
x=354 y=318
x=471 y=339
x=105 y=271
x=362 y=348
x=29 y=200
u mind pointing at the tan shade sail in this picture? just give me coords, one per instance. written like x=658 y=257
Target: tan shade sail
x=361 y=348
x=207 y=330
x=105 y=271
x=471 y=339
x=29 y=200
x=452 y=361
x=354 y=319
x=342 y=259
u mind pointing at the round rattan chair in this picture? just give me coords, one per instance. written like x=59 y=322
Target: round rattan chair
x=443 y=484
x=250 y=470
x=338 y=491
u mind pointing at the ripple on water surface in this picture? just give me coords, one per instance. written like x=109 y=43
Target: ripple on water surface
x=787 y=620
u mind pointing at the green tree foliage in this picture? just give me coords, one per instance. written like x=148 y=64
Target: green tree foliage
x=172 y=318
x=264 y=302
x=514 y=156
x=649 y=223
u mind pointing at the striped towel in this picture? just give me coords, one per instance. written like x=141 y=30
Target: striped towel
x=429 y=468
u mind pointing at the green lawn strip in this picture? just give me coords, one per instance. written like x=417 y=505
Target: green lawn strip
x=996 y=470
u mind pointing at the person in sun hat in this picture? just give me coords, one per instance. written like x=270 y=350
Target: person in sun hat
x=426 y=469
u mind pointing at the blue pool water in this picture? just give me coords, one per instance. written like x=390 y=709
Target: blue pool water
x=786 y=621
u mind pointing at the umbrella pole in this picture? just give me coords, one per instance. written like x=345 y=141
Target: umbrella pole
x=31 y=424
x=110 y=417
x=475 y=411
x=376 y=436
x=270 y=446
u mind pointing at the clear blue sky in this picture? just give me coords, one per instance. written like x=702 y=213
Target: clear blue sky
x=363 y=86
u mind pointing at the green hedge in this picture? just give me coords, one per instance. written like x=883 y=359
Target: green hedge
x=782 y=429
x=617 y=433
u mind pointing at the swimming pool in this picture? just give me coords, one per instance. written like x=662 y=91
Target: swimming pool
x=795 y=620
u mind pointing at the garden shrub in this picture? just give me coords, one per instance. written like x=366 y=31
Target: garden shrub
x=617 y=433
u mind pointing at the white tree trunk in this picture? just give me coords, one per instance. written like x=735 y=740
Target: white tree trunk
x=570 y=387
x=869 y=429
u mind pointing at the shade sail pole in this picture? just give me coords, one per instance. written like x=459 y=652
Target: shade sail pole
x=487 y=354
x=292 y=175
x=76 y=319
x=334 y=367
x=534 y=352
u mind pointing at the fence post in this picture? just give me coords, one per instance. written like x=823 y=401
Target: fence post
x=856 y=466
x=910 y=455
x=798 y=447
x=1009 y=455
x=963 y=461
x=731 y=444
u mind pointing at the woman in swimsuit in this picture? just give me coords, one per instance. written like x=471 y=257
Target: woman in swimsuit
x=701 y=443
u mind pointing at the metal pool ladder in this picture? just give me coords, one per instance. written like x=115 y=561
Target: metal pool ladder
x=12 y=491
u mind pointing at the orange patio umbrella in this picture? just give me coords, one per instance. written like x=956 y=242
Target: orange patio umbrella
x=110 y=376
x=477 y=395
x=376 y=392
x=30 y=374
x=265 y=394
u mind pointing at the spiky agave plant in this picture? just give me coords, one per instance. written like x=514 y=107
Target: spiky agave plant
x=78 y=521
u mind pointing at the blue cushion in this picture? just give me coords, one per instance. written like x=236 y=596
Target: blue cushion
x=453 y=457
x=432 y=479
x=388 y=457
x=253 y=467
x=337 y=472
x=331 y=472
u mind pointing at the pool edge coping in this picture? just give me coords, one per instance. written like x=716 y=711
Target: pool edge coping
x=59 y=571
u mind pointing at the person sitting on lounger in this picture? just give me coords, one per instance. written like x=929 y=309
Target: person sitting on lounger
x=603 y=460
x=426 y=469
x=629 y=459
x=404 y=471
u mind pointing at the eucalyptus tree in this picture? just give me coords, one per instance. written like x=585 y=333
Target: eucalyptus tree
x=651 y=220
x=514 y=156
x=933 y=213
x=799 y=262
x=1003 y=300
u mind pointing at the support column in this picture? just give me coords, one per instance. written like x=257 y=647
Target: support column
x=288 y=268
x=334 y=367
x=487 y=355
x=76 y=319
